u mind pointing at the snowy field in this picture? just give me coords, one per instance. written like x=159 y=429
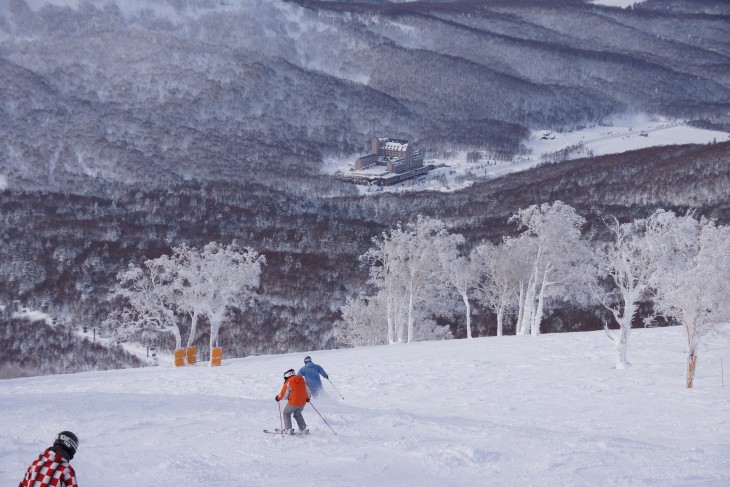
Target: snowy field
x=509 y=411
x=624 y=134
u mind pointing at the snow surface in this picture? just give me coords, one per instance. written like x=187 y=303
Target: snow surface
x=626 y=136
x=507 y=411
x=34 y=315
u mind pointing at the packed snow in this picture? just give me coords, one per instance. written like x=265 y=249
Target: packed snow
x=624 y=136
x=500 y=411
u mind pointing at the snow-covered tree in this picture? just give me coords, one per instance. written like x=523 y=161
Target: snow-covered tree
x=362 y=323
x=694 y=289
x=459 y=271
x=148 y=292
x=630 y=261
x=387 y=277
x=404 y=269
x=417 y=247
x=504 y=270
x=215 y=279
x=462 y=276
x=191 y=285
x=561 y=256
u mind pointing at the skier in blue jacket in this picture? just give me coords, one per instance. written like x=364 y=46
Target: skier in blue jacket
x=311 y=373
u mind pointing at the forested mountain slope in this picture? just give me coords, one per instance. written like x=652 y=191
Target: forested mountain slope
x=627 y=185
x=32 y=347
x=259 y=89
x=129 y=128
x=62 y=252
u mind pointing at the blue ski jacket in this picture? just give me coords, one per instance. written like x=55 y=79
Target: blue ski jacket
x=311 y=373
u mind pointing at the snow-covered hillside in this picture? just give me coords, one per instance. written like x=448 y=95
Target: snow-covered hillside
x=507 y=411
x=173 y=90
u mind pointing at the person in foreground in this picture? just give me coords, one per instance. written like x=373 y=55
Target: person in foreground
x=51 y=468
x=311 y=373
x=298 y=394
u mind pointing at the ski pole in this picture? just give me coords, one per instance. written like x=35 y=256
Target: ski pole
x=338 y=392
x=325 y=421
x=281 y=420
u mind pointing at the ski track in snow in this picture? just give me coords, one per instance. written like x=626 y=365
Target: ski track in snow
x=547 y=411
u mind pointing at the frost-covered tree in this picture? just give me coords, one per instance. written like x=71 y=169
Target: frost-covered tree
x=404 y=268
x=560 y=256
x=235 y=273
x=504 y=271
x=387 y=277
x=362 y=323
x=148 y=292
x=215 y=279
x=695 y=288
x=191 y=285
x=201 y=282
x=417 y=252
x=459 y=271
x=630 y=261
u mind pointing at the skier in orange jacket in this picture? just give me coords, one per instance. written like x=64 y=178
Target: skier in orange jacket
x=298 y=393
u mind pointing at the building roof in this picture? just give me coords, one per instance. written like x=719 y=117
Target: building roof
x=397 y=146
x=394 y=144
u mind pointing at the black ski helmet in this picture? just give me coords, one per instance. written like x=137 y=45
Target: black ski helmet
x=68 y=441
x=307 y=359
x=288 y=373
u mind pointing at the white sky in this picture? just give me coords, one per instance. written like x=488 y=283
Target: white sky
x=509 y=411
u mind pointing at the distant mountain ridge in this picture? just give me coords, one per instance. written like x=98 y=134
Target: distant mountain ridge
x=267 y=89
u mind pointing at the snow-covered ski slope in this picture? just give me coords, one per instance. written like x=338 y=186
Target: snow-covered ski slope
x=509 y=411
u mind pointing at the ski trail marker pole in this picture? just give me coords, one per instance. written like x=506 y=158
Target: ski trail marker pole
x=281 y=420
x=325 y=421
x=338 y=392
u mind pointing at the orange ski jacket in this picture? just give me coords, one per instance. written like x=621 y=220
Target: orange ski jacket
x=296 y=390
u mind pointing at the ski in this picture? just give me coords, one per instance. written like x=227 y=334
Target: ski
x=277 y=431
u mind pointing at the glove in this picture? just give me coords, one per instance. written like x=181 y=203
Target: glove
x=277 y=398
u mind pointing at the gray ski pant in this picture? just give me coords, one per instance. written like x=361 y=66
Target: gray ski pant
x=297 y=412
